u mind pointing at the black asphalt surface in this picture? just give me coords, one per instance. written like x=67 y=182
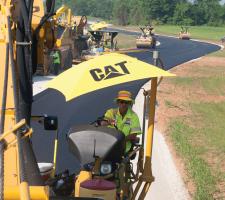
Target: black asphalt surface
x=87 y=108
x=174 y=51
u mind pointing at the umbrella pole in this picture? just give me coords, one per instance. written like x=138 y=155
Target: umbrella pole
x=141 y=152
x=151 y=118
x=55 y=153
x=146 y=176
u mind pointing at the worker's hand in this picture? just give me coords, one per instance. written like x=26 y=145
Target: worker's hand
x=132 y=137
x=104 y=123
x=108 y=122
x=112 y=122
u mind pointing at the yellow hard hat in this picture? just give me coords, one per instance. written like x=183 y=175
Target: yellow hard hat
x=124 y=95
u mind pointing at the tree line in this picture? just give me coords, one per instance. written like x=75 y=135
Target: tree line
x=133 y=12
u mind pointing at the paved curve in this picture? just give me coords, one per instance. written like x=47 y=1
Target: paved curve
x=174 y=51
x=87 y=108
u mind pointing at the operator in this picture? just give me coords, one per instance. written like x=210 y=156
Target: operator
x=124 y=118
x=56 y=62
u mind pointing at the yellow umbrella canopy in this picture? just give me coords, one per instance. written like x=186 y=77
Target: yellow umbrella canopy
x=99 y=25
x=101 y=72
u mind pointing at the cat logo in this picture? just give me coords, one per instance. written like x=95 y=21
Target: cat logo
x=109 y=71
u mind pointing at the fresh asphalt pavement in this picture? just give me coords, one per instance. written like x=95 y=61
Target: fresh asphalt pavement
x=88 y=107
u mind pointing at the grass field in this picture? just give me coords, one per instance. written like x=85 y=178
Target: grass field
x=218 y=54
x=209 y=33
x=199 y=137
x=197 y=32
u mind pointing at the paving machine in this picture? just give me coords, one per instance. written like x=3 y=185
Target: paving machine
x=106 y=172
x=71 y=37
x=61 y=32
x=147 y=38
x=100 y=41
x=184 y=34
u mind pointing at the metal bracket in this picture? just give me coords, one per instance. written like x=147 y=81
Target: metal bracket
x=23 y=43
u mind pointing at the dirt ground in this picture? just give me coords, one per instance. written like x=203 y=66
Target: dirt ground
x=171 y=101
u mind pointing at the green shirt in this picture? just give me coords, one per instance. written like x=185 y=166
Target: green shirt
x=129 y=124
x=56 y=57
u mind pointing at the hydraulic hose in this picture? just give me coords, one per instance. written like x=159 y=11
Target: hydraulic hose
x=17 y=112
x=16 y=98
x=24 y=64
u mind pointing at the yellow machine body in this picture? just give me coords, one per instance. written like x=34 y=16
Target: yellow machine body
x=36 y=193
x=144 y=42
x=13 y=187
x=10 y=155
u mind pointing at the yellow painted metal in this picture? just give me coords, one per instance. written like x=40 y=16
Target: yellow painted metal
x=38 y=12
x=11 y=177
x=84 y=175
x=36 y=193
x=69 y=16
x=55 y=155
x=15 y=127
x=10 y=112
x=99 y=25
x=13 y=188
x=60 y=11
x=28 y=134
x=24 y=191
x=149 y=140
x=146 y=176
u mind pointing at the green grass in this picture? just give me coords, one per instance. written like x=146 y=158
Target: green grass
x=213 y=85
x=182 y=81
x=218 y=54
x=212 y=125
x=169 y=104
x=197 y=32
x=182 y=136
x=199 y=137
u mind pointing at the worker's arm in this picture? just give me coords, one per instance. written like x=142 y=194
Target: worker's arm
x=135 y=129
x=108 y=122
x=108 y=119
x=131 y=137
